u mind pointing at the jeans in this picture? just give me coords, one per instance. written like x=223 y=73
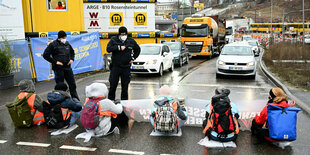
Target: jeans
x=74 y=117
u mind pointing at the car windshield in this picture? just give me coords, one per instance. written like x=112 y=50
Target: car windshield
x=307 y=37
x=252 y=43
x=174 y=46
x=197 y=32
x=150 y=50
x=237 y=50
x=247 y=38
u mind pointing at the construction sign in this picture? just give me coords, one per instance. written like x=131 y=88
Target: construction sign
x=116 y=19
x=140 y=19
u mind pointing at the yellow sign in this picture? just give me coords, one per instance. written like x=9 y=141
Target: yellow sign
x=199 y=5
x=116 y=19
x=43 y=34
x=75 y=32
x=140 y=19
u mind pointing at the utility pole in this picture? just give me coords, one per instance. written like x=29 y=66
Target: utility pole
x=255 y=16
x=271 y=37
x=283 y=21
x=303 y=22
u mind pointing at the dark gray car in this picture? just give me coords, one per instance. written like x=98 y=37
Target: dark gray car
x=180 y=52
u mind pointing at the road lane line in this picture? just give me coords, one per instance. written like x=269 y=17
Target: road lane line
x=124 y=151
x=3 y=141
x=199 y=90
x=33 y=144
x=78 y=148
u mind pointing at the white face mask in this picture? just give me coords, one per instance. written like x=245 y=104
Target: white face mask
x=63 y=40
x=123 y=38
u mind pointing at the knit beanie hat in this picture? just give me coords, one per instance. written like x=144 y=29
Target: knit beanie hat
x=26 y=86
x=61 y=86
x=164 y=90
x=278 y=95
x=122 y=30
x=61 y=34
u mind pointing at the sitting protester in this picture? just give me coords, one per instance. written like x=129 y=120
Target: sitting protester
x=60 y=110
x=278 y=105
x=167 y=115
x=99 y=113
x=30 y=104
x=221 y=122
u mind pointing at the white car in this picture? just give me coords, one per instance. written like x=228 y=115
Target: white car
x=153 y=58
x=246 y=38
x=255 y=46
x=236 y=59
x=307 y=39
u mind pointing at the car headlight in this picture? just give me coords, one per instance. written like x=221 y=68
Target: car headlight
x=220 y=62
x=151 y=62
x=250 y=63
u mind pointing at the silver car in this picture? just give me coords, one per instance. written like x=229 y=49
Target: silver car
x=236 y=59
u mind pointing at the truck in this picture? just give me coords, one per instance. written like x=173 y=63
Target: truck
x=230 y=31
x=203 y=36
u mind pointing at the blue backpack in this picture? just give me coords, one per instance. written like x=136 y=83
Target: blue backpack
x=282 y=122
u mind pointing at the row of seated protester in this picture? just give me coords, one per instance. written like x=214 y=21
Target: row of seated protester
x=99 y=115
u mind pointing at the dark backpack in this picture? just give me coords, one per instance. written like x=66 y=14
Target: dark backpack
x=90 y=114
x=20 y=112
x=53 y=116
x=223 y=122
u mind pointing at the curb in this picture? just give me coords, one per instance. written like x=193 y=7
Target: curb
x=278 y=83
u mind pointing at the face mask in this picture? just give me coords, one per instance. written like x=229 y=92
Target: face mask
x=63 y=40
x=123 y=38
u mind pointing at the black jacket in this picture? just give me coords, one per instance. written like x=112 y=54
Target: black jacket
x=122 y=58
x=57 y=51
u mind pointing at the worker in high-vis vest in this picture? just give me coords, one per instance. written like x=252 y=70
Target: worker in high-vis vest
x=106 y=110
x=34 y=101
x=70 y=107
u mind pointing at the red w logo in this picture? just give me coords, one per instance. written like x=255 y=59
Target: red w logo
x=93 y=15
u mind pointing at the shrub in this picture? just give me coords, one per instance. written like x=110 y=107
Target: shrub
x=6 y=55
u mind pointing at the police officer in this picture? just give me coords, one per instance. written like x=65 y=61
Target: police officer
x=124 y=51
x=61 y=55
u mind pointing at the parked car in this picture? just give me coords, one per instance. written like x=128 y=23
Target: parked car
x=236 y=59
x=180 y=52
x=154 y=58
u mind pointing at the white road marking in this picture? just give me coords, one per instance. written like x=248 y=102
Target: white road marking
x=167 y=154
x=193 y=84
x=33 y=144
x=198 y=90
x=125 y=151
x=3 y=141
x=78 y=148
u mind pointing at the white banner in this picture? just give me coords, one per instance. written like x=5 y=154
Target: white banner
x=11 y=20
x=108 y=17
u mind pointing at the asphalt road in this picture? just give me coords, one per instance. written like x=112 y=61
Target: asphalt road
x=195 y=80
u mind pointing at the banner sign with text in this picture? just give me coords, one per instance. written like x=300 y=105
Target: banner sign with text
x=140 y=110
x=21 y=60
x=88 y=55
x=12 y=21
x=108 y=17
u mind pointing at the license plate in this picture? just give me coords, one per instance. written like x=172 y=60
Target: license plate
x=137 y=67
x=235 y=68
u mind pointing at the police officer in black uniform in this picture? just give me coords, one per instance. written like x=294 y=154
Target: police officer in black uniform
x=124 y=51
x=61 y=55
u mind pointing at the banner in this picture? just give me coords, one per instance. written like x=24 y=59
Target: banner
x=21 y=61
x=108 y=17
x=12 y=22
x=88 y=56
x=140 y=110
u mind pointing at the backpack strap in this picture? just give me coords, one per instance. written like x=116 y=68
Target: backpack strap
x=209 y=121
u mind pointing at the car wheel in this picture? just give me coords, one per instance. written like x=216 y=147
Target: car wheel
x=172 y=67
x=218 y=75
x=161 y=70
x=253 y=76
x=187 y=59
x=180 y=61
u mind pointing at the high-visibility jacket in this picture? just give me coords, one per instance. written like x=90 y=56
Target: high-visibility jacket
x=38 y=116
x=102 y=113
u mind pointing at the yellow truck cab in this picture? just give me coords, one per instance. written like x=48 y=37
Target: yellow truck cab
x=203 y=36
